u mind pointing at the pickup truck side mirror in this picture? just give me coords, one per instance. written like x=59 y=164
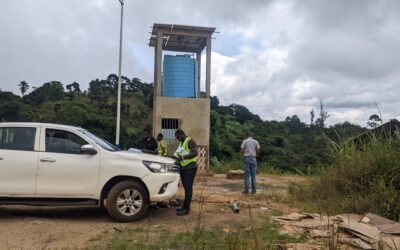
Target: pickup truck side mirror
x=88 y=149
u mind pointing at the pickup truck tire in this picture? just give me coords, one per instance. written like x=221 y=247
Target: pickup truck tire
x=127 y=201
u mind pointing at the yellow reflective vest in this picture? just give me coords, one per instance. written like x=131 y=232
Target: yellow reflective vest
x=161 y=145
x=183 y=150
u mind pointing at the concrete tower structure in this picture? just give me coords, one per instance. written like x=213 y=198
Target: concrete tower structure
x=192 y=115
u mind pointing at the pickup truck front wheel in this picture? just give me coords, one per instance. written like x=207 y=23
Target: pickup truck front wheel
x=127 y=201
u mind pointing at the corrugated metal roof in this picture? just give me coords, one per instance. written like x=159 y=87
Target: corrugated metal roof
x=181 y=38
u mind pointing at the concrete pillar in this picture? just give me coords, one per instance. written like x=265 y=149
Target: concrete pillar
x=159 y=62
x=155 y=86
x=208 y=67
x=198 y=57
x=155 y=72
x=157 y=78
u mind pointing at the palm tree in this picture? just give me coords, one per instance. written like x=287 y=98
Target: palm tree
x=23 y=87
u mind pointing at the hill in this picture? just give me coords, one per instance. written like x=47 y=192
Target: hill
x=288 y=145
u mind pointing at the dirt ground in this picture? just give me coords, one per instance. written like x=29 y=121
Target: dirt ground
x=23 y=227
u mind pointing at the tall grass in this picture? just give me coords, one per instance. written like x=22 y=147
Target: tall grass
x=364 y=176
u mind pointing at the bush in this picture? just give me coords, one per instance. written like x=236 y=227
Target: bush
x=364 y=176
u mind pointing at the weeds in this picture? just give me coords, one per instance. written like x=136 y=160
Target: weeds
x=250 y=234
x=364 y=176
x=265 y=236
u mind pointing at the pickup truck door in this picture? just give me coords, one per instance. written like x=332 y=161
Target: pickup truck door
x=18 y=160
x=63 y=169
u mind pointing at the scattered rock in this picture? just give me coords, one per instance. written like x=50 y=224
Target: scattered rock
x=247 y=229
x=355 y=242
x=385 y=225
x=315 y=233
x=235 y=174
x=391 y=242
x=293 y=230
x=283 y=232
x=363 y=232
x=320 y=223
x=294 y=217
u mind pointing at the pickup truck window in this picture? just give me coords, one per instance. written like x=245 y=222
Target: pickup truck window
x=61 y=141
x=99 y=141
x=17 y=138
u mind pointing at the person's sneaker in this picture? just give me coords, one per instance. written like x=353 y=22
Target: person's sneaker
x=254 y=192
x=179 y=209
x=244 y=192
x=182 y=212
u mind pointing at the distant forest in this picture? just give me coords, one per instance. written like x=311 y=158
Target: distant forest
x=289 y=145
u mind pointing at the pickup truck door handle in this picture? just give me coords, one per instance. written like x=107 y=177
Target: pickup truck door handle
x=1 y=158
x=47 y=160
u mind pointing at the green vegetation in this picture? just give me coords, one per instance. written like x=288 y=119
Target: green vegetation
x=287 y=146
x=364 y=176
x=238 y=236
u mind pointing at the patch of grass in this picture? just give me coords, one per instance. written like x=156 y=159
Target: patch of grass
x=239 y=236
x=277 y=194
x=277 y=213
x=266 y=186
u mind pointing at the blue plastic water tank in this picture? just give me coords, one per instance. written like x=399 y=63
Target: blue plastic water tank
x=180 y=78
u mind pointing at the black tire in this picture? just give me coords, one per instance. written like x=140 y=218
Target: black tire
x=118 y=191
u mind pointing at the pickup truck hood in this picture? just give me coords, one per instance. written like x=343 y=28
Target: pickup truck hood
x=145 y=157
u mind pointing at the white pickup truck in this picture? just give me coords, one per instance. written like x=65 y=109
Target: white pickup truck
x=50 y=164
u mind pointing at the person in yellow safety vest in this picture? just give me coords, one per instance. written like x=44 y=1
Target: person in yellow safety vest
x=162 y=147
x=186 y=156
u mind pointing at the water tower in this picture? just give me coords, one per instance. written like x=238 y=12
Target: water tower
x=178 y=102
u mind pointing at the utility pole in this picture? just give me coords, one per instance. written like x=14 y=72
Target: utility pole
x=119 y=78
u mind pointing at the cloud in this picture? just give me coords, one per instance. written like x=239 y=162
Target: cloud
x=343 y=54
x=279 y=58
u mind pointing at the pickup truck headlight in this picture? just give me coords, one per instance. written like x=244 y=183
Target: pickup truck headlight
x=157 y=167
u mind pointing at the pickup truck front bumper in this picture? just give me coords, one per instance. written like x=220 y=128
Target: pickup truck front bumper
x=162 y=186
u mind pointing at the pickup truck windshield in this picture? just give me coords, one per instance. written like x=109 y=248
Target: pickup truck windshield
x=99 y=141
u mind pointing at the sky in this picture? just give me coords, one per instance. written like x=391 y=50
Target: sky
x=278 y=58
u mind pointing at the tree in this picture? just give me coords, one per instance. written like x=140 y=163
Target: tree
x=323 y=115
x=214 y=102
x=50 y=91
x=74 y=88
x=288 y=145
x=23 y=87
x=99 y=90
x=312 y=116
x=374 y=121
x=242 y=114
x=294 y=124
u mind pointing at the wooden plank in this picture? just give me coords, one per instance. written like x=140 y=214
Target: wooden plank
x=392 y=242
x=355 y=242
x=372 y=233
x=385 y=225
x=376 y=220
x=390 y=228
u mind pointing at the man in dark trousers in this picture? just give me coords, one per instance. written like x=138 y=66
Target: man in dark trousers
x=148 y=144
x=186 y=155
